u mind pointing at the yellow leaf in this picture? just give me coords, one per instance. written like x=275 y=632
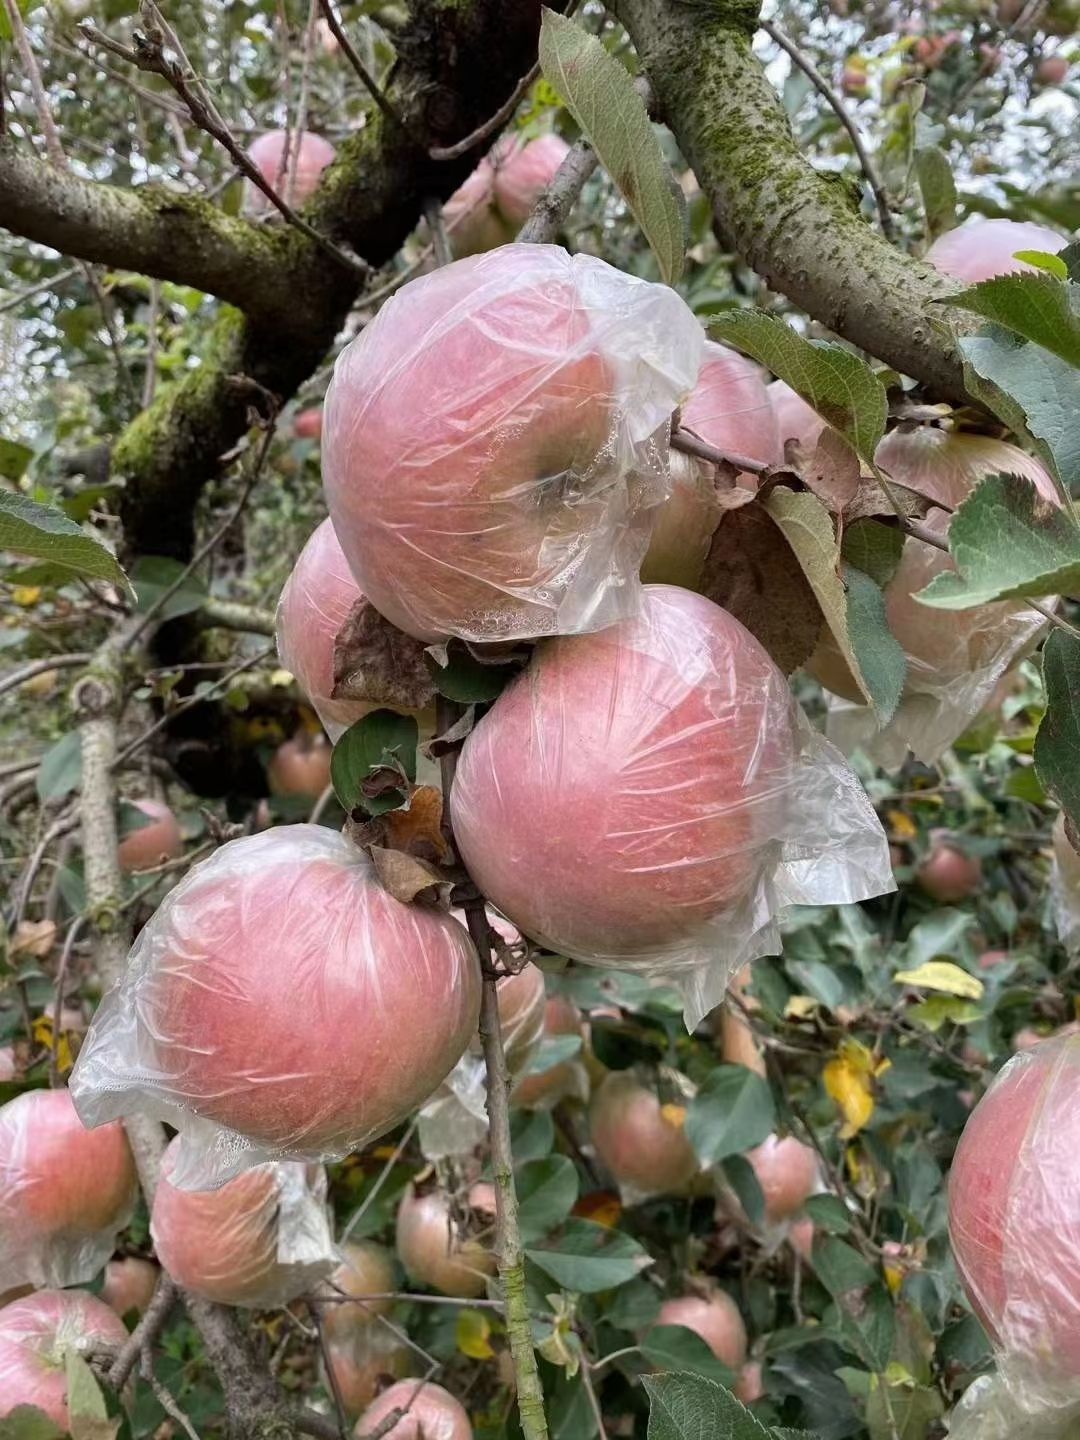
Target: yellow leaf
x=473 y=1335
x=894 y=1278
x=674 y=1115
x=943 y=975
x=34 y=937
x=799 y=1006
x=848 y=1080
x=901 y=826
x=43 y=1034
x=26 y=595
x=281 y=678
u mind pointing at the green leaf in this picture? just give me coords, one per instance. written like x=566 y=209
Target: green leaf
x=901 y=1412
x=873 y=548
x=14 y=458
x=60 y=770
x=467 y=680
x=1057 y=745
x=1070 y=258
x=554 y=1050
x=1038 y=307
x=741 y=1176
x=938 y=189
x=152 y=576
x=47 y=534
x=677 y=1348
x=27 y=1422
x=532 y=1133
x=547 y=1192
x=689 y=1407
x=600 y=95
x=882 y=662
x=89 y=1412
x=1032 y=391
x=829 y=1213
x=588 y=1257
x=1043 y=260
x=731 y=1113
x=1007 y=543
x=840 y=387
x=379 y=741
x=839 y=1267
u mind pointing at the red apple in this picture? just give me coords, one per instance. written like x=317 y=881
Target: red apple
x=989 y=958
x=801 y=1236
x=949 y=875
x=472 y=221
x=129 y=1284
x=288 y=923
x=787 y=1171
x=367 y=1268
x=307 y=424
x=750 y=1385
x=65 y=1191
x=37 y=1334
x=1014 y=1213
x=429 y=1413
x=1052 y=70
x=523 y=173
x=154 y=843
x=982 y=249
x=238 y=1245
x=795 y=419
x=362 y=1362
x=451 y=1252
x=627 y=788
x=546 y=1088
x=641 y=1142
x=267 y=154
x=715 y=1318
x=946 y=465
x=511 y=496
x=300 y=766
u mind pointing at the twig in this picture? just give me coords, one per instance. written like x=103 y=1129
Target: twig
x=145 y=1333
x=409 y=1297
x=235 y=615
x=331 y=1373
x=497 y=121
x=164 y=1397
x=53 y=146
x=366 y=78
x=384 y=1174
x=54 y=282
x=58 y=828
x=320 y=805
x=689 y=444
x=440 y=241
x=822 y=86
x=553 y=208
x=150 y=375
x=590 y=1391
x=302 y=100
x=14 y=678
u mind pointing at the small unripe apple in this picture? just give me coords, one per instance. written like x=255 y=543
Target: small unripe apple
x=853 y=82
x=364 y=1361
x=523 y=173
x=548 y=1087
x=982 y=249
x=65 y=1191
x=429 y=1411
x=989 y=958
x=787 y=1171
x=641 y=1142
x=307 y=424
x=232 y=1245
x=367 y=1268
x=715 y=1318
x=154 y=843
x=452 y=1254
x=684 y=526
x=36 y=1336
x=948 y=875
x=1052 y=70
x=267 y=155
x=129 y=1284
x=300 y=766
x=801 y=1236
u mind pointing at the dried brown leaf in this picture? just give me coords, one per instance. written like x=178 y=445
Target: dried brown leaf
x=417 y=830
x=377 y=662
x=34 y=938
x=831 y=469
x=405 y=877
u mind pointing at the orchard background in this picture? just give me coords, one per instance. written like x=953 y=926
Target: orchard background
x=659 y=1220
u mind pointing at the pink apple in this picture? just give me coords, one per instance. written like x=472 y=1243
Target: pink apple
x=801 y=1236
x=684 y=526
x=429 y=1413
x=795 y=419
x=268 y=155
x=511 y=496
x=129 y=1284
x=982 y=249
x=307 y=424
x=1052 y=70
x=730 y=407
x=8 y=1067
x=363 y=1361
x=36 y=1336
x=472 y=221
x=946 y=465
x=154 y=843
x=300 y=766
x=626 y=789
x=366 y=1268
x=642 y=1143
x=288 y=923
x=949 y=875
x=787 y=1171
x=750 y=1385
x=715 y=1318
x=65 y=1191
x=445 y=1246
x=523 y=172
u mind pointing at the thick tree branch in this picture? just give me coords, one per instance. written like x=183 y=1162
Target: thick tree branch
x=800 y=230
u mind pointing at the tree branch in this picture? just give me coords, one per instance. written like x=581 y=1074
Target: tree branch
x=800 y=230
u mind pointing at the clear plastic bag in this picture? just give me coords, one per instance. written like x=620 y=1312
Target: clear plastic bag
x=651 y=798
x=1014 y=1222
x=65 y=1192
x=1065 y=889
x=258 y=1241
x=280 y=1005
x=37 y=1333
x=495 y=441
x=988 y=1411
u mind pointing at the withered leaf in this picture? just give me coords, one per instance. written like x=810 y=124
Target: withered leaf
x=377 y=662
x=831 y=469
x=417 y=830
x=406 y=877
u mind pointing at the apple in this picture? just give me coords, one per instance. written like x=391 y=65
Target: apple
x=639 y=1141
x=307 y=424
x=750 y=1385
x=801 y=1236
x=473 y=224
x=238 y=1245
x=946 y=465
x=544 y=1089
x=446 y=1250
x=511 y=497
x=8 y=1066
x=684 y=526
x=300 y=766
x=523 y=172
x=1028 y=1037
x=989 y=958
x=36 y=1336
x=1014 y=1213
x=627 y=787
x=948 y=875
x=854 y=83
x=154 y=843
x=715 y=1318
x=795 y=419
x=129 y=1284
x=738 y=1043
x=1052 y=70
x=787 y=1171
x=267 y=153
x=366 y=1268
x=285 y=924
x=429 y=1413
x=982 y=249
x=362 y=1362
x=65 y=1191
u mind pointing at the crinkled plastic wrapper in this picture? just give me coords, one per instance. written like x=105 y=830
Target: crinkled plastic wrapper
x=495 y=441
x=65 y=1192
x=37 y=1333
x=651 y=798
x=1014 y=1223
x=952 y=673
x=259 y=1241
x=988 y=1411
x=280 y=1005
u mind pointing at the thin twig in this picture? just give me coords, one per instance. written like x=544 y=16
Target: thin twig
x=489 y=127
x=384 y=1175
x=366 y=78
x=164 y=1397
x=319 y=808
x=409 y=1297
x=53 y=146
x=590 y=1391
x=689 y=444
x=53 y=283
x=14 y=678
x=145 y=1333
x=822 y=86
x=440 y=241
x=150 y=374
x=553 y=208
x=302 y=100
x=331 y=1373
